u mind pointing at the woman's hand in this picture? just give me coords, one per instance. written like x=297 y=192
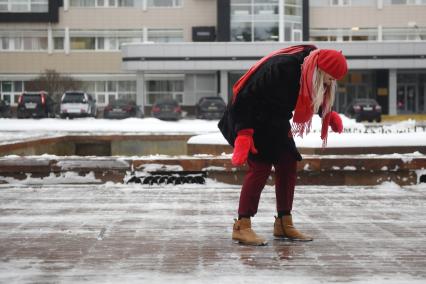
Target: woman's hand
x=242 y=145
x=336 y=122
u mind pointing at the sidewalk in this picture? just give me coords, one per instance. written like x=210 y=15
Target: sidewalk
x=116 y=233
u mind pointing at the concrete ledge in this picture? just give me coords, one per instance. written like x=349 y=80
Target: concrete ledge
x=141 y=145
x=313 y=170
x=214 y=149
x=100 y=145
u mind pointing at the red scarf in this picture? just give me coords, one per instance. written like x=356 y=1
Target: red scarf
x=302 y=119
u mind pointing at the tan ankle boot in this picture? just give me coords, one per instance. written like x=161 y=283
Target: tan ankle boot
x=283 y=228
x=243 y=233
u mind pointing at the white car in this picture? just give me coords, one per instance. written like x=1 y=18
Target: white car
x=77 y=104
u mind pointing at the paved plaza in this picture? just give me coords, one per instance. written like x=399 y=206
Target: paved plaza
x=115 y=233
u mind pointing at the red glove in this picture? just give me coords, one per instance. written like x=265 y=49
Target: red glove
x=336 y=122
x=243 y=144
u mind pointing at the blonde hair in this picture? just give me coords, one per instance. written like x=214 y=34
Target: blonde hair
x=320 y=90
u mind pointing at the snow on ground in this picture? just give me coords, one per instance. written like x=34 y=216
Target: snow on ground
x=355 y=134
x=129 y=125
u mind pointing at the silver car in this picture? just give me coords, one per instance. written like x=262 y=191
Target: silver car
x=77 y=104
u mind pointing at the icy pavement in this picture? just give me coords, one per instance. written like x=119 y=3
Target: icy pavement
x=116 y=233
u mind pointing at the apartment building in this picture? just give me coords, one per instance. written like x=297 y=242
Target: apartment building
x=148 y=49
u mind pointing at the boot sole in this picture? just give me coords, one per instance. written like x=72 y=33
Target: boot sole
x=250 y=244
x=279 y=238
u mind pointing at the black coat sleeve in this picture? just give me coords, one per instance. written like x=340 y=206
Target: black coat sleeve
x=251 y=98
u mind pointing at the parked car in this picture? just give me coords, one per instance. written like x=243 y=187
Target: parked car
x=5 y=110
x=364 y=109
x=122 y=109
x=210 y=108
x=77 y=104
x=168 y=109
x=35 y=104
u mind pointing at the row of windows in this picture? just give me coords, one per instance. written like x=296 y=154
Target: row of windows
x=86 y=42
x=22 y=6
x=103 y=91
x=369 y=34
x=328 y=3
x=125 y=3
x=265 y=3
x=107 y=91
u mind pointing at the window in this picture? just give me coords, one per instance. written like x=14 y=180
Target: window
x=82 y=3
x=11 y=90
x=100 y=99
x=39 y=6
x=126 y=3
x=6 y=87
x=164 y=3
x=19 y=6
x=83 y=43
x=103 y=3
x=34 y=43
x=4 y=43
x=340 y=2
x=265 y=31
x=4 y=7
x=58 y=43
x=112 y=86
x=100 y=43
x=18 y=86
x=405 y=2
x=127 y=90
x=327 y=3
x=241 y=32
x=411 y=33
x=359 y=34
x=253 y=20
x=22 y=6
x=165 y=35
x=164 y=89
x=107 y=91
x=123 y=40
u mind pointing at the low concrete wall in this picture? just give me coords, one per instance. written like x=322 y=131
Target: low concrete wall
x=100 y=145
x=313 y=170
x=213 y=149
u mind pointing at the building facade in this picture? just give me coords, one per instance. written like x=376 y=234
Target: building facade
x=145 y=50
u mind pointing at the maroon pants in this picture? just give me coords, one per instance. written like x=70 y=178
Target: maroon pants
x=255 y=180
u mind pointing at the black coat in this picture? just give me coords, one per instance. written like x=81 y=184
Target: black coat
x=265 y=104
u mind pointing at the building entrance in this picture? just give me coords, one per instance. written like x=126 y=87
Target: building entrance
x=406 y=98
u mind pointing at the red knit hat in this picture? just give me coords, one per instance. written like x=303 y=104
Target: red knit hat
x=332 y=62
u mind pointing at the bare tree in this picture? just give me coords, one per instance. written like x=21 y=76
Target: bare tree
x=54 y=84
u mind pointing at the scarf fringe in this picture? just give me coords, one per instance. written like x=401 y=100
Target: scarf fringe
x=300 y=128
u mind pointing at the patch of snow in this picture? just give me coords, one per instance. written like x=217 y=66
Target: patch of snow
x=213 y=168
x=349 y=168
x=159 y=167
x=62 y=178
x=389 y=185
x=212 y=138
